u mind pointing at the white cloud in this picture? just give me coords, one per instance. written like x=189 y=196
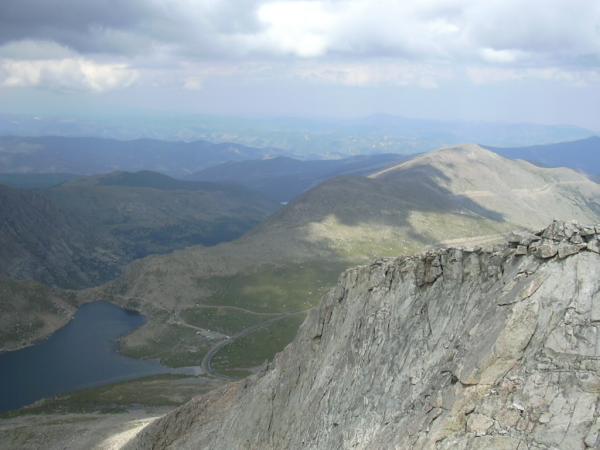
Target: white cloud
x=65 y=74
x=550 y=39
x=299 y=28
x=491 y=31
x=500 y=56
x=311 y=29
x=345 y=40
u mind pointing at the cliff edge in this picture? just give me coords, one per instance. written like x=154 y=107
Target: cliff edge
x=451 y=349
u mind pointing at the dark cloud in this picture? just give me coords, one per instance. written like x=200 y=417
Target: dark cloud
x=74 y=23
x=125 y=27
x=543 y=31
x=351 y=42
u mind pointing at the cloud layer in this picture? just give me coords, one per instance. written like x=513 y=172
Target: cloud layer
x=105 y=44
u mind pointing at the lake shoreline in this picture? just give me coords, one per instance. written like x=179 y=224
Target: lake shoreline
x=86 y=345
x=69 y=318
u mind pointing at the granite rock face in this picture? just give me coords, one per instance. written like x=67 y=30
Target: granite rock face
x=452 y=349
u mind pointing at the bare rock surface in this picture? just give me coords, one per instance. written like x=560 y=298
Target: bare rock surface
x=451 y=349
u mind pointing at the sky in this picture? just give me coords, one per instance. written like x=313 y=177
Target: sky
x=491 y=60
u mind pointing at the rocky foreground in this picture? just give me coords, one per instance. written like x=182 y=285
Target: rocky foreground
x=452 y=349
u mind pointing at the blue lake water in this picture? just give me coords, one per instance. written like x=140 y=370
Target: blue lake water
x=82 y=354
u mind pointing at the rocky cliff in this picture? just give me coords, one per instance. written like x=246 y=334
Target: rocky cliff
x=451 y=349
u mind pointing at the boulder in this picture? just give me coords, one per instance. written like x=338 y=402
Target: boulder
x=567 y=249
x=547 y=250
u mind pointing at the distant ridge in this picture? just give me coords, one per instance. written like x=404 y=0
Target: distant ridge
x=88 y=156
x=582 y=155
x=459 y=196
x=284 y=178
x=312 y=138
x=154 y=180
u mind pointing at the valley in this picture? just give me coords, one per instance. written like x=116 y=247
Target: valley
x=79 y=355
x=299 y=224
x=464 y=195
x=83 y=232
x=226 y=309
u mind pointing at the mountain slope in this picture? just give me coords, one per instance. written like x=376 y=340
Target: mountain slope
x=303 y=137
x=523 y=193
x=150 y=213
x=82 y=232
x=34 y=180
x=449 y=349
x=459 y=192
x=40 y=241
x=30 y=311
x=582 y=155
x=284 y=178
x=460 y=196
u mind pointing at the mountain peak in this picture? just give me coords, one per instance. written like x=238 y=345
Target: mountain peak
x=454 y=155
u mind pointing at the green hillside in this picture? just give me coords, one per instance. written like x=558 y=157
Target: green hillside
x=458 y=196
x=83 y=232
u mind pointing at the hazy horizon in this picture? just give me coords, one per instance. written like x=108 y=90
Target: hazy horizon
x=140 y=115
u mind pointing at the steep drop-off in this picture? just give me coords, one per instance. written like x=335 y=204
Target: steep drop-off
x=449 y=349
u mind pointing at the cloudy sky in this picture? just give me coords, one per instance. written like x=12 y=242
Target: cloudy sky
x=506 y=60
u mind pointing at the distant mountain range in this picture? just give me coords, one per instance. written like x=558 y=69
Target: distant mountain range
x=297 y=137
x=87 y=156
x=582 y=155
x=47 y=161
x=83 y=231
x=285 y=178
x=456 y=196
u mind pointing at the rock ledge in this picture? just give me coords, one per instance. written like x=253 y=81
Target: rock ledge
x=451 y=349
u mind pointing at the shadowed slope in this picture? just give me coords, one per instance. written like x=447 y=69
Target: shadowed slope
x=82 y=232
x=39 y=240
x=523 y=193
x=285 y=178
x=435 y=199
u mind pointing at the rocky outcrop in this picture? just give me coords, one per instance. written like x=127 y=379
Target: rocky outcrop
x=452 y=349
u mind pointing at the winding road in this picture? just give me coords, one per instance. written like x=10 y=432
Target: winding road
x=207 y=360
x=206 y=364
